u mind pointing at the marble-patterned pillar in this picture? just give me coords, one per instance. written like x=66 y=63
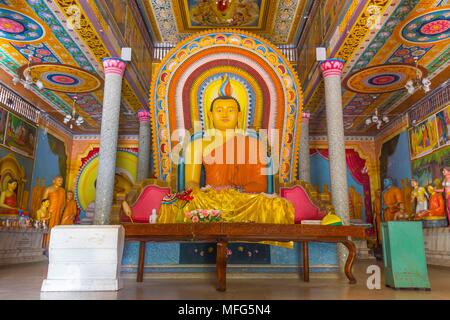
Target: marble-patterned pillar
x=144 y=145
x=304 y=157
x=114 y=70
x=332 y=71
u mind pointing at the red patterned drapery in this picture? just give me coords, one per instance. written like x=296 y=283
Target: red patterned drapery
x=357 y=167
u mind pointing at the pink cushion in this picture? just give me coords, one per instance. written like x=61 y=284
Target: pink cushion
x=305 y=209
x=149 y=198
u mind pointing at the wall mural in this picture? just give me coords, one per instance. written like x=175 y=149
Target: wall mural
x=20 y=136
x=429 y=168
x=443 y=126
x=424 y=138
x=3 y=118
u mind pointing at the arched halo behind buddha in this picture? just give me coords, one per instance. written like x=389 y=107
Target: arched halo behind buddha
x=270 y=73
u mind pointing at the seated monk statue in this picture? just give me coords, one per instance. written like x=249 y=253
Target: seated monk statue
x=236 y=177
x=8 y=199
x=436 y=208
x=42 y=214
x=70 y=210
x=392 y=202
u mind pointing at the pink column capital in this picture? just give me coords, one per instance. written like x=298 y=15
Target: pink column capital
x=143 y=115
x=114 y=65
x=332 y=67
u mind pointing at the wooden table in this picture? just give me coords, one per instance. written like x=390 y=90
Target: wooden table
x=222 y=233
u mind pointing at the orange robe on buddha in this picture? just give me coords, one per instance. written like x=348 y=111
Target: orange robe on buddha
x=244 y=171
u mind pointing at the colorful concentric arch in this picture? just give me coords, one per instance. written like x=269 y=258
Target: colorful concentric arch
x=228 y=48
x=85 y=180
x=16 y=26
x=64 y=78
x=429 y=26
x=382 y=78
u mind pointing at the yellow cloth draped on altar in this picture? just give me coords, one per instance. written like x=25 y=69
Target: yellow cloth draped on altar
x=235 y=206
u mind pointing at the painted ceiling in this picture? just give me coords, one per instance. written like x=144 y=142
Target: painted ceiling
x=65 y=43
x=380 y=51
x=277 y=20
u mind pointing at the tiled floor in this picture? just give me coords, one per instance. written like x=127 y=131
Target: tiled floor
x=24 y=282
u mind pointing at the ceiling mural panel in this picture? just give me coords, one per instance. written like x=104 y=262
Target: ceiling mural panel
x=381 y=59
x=173 y=21
x=40 y=38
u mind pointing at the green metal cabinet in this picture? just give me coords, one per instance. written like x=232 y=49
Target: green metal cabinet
x=405 y=265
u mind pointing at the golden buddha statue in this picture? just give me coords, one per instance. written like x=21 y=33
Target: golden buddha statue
x=236 y=177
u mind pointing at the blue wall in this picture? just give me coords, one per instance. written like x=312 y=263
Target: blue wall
x=399 y=164
x=47 y=164
x=165 y=257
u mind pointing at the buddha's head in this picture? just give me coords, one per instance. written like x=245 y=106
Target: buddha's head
x=45 y=203
x=69 y=195
x=225 y=109
x=225 y=112
x=430 y=189
x=12 y=185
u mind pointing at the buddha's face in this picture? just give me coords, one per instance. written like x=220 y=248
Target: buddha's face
x=12 y=186
x=225 y=113
x=430 y=189
x=69 y=195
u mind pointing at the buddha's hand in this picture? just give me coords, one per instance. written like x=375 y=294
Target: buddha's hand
x=126 y=209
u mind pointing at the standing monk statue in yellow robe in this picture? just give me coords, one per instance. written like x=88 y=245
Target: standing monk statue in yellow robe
x=236 y=177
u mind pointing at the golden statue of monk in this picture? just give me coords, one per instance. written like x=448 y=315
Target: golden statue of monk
x=236 y=178
x=393 y=202
x=70 y=210
x=57 y=196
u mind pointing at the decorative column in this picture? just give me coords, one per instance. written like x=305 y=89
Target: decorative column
x=144 y=145
x=114 y=70
x=304 y=158
x=332 y=71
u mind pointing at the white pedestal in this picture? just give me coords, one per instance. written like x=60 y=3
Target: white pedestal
x=85 y=258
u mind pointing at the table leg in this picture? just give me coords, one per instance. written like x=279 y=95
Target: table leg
x=305 y=261
x=140 y=271
x=221 y=266
x=350 y=259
